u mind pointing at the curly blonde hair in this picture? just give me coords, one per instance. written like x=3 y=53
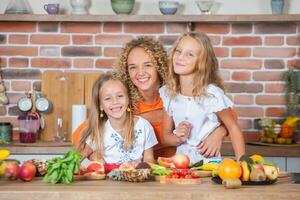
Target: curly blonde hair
x=206 y=69
x=158 y=56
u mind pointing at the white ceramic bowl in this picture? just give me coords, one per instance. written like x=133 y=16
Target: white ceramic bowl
x=168 y=7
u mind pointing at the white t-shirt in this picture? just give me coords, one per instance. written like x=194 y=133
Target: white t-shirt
x=113 y=143
x=200 y=112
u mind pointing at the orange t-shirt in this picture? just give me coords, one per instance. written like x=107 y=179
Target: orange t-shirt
x=159 y=149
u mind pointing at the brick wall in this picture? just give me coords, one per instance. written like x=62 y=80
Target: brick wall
x=252 y=56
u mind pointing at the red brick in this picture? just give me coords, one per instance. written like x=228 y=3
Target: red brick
x=275 y=112
x=274 y=88
x=112 y=51
x=274 y=64
x=82 y=39
x=275 y=28
x=49 y=51
x=21 y=85
x=241 y=76
x=13 y=98
x=216 y=28
x=249 y=111
x=48 y=26
x=112 y=27
x=51 y=62
x=104 y=63
x=18 y=62
x=294 y=64
x=245 y=124
x=243 y=99
x=241 y=64
x=167 y=39
x=293 y=40
x=274 y=52
x=2 y=110
x=176 y=27
x=221 y=52
x=50 y=39
x=243 y=87
x=30 y=74
x=18 y=51
x=83 y=63
x=18 y=27
x=245 y=41
x=241 y=52
x=113 y=39
x=215 y=40
x=81 y=51
x=274 y=41
x=270 y=100
x=3 y=62
x=241 y=28
x=141 y=27
x=267 y=76
x=81 y=27
x=18 y=39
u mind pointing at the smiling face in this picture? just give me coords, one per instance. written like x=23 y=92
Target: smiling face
x=186 y=56
x=114 y=99
x=142 y=70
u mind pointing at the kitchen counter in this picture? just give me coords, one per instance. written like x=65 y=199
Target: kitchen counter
x=106 y=189
x=61 y=148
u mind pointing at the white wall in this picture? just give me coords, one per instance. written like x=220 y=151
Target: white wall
x=149 y=7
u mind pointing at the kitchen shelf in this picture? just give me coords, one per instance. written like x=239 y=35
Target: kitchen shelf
x=151 y=18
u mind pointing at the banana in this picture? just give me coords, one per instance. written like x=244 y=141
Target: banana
x=155 y=166
x=4 y=154
x=211 y=166
x=291 y=121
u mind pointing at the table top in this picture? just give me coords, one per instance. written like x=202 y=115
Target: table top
x=107 y=189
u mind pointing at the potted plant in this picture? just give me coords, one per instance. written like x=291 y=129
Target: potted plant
x=277 y=6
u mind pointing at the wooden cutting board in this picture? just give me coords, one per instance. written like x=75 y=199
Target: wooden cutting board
x=63 y=90
x=89 y=80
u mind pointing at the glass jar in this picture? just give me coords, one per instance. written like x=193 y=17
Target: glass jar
x=29 y=125
x=5 y=131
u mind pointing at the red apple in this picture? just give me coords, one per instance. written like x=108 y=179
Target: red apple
x=271 y=172
x=259 y=167
x=11 y=170
x=181 y=161
x=27 y=171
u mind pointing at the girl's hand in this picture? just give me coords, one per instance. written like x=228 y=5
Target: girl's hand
x=183 y=131
x=211 y=145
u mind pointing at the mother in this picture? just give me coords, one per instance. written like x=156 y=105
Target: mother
x=143 y=65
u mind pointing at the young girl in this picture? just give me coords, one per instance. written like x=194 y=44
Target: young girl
x=113 y=134
x=194 y=100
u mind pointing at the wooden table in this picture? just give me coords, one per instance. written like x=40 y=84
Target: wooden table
x=115 y=190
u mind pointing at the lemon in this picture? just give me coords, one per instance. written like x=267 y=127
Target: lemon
x=257 y=158
x=4 y=154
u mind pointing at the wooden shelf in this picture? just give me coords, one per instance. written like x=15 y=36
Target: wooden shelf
x=151 y=18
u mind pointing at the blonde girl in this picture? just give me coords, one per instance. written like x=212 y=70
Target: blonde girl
x=114 y=134
x=194 y=99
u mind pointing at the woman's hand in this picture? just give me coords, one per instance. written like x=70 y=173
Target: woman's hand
x=211 y=145
x=183 y=131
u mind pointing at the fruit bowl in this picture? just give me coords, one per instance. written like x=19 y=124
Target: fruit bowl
x=218 y=180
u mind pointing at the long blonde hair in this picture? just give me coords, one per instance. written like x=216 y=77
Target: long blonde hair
x=157 y=54
x=95 y=129
x=206 y=69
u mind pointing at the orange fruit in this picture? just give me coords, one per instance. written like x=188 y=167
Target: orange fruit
x=228 y=168
x=165 y=162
